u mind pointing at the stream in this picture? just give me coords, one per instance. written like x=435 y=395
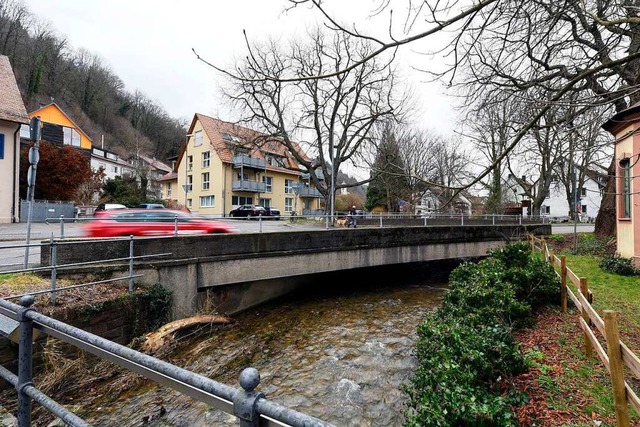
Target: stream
x=340 y=354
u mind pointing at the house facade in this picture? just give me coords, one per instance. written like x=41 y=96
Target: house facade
x=625 y=127
x=556 y=205
x=222 y=166
x=154 y=170
x=112 y=164
x=58 y=128
x=13 y=114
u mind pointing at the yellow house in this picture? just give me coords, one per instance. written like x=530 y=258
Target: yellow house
x=58 y=128
x=222 y=166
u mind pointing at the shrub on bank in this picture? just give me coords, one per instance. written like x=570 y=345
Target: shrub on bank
x=618 y=265
x=466 y=348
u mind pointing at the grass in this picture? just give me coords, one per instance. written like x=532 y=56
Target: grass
x=585 y=385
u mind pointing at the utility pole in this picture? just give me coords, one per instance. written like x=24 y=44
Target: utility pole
x=575 y=209
x=35 y=131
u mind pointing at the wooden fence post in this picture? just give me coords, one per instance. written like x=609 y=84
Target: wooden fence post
x=563 y=283
x=552 y=257
x=532 y=238
x=588 y=347
x=615 y=364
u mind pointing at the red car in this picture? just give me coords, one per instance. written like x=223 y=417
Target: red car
x=151 y=222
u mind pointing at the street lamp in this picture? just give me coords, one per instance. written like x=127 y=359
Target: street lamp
x=186 y=187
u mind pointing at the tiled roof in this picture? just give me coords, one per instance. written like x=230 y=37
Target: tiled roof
x=169 y=176
x=258 y=143
x=11 y=105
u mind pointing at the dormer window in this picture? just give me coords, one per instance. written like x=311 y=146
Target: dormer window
x=273 y=160
x=71 y=136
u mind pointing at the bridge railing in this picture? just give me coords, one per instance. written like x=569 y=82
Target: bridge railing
x=7 y=267
x=18 y=322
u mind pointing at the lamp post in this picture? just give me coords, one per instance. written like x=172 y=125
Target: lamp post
x=186 y=187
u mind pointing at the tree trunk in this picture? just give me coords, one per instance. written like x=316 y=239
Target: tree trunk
x=606 y=219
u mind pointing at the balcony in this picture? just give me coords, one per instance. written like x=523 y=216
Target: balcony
x=248 y=162
x=307 y=176
x=250 y=186
x=308 y=192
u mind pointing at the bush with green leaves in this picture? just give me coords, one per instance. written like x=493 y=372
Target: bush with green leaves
x=618 y=265
x=466 y=348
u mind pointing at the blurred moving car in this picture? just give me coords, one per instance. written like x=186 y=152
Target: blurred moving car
x=151 y=206
x=102 y=207
x=248 y=211
x=151 y=222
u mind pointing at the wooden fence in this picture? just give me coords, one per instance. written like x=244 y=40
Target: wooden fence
x=617 y=355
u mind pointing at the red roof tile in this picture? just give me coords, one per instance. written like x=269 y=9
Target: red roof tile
x=11 y=105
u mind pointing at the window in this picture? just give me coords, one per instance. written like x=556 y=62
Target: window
x=168 y=189
x=189 y=183
x=288 y=186
x=1 y=146
x=265 y=202
x=198 y=138
x=205 y=181
x=583 y=192
x=545 y=210
x=206 y=159
x=189 y=203
x=189 y=163
x=243 y=177
x=546 y=194
x=275 y=160
x=241 y=200
x=268 y=182
x=584 y=209
x=288 y=204
x=114 y=169
x=71 y=137
x=207 y=201
x=626 y=188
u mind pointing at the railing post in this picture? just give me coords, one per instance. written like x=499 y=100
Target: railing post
x=615 y=366
x=588 y=347
x=520 y=219
x=25 y=361
x=131 y=264
x=260 y=223
x=175 y=226
x=563 y=283
x=380 y=219
x=493 y=219
x=54 y=270
x=244 y=401
x=462 y=219
x=62 y=226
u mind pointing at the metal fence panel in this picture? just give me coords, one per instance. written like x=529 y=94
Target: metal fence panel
x=43 y=209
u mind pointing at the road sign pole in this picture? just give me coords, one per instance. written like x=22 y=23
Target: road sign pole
x=34 y=157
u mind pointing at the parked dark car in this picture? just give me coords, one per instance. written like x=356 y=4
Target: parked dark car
x=247 y=211
x=151 y=222
x=272 y=213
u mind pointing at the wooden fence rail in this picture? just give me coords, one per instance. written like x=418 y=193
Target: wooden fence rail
x=617 y=355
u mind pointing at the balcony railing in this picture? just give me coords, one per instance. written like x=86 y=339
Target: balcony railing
x=247 y=185
x=248 y=162
x=308 y=192
x=307 y=176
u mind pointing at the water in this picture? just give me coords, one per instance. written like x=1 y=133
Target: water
x=340 y=355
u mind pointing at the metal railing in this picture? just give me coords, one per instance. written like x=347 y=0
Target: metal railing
x=248 y=405
x=55 y=268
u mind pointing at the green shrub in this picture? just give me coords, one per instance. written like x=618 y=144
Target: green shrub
x=466 y=347
x=617 y=265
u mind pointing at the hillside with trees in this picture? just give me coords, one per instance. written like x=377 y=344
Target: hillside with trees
x=49 y=70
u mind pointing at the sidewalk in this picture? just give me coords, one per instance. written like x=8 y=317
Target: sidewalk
x=39 y=231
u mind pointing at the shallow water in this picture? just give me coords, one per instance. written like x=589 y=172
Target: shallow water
x=339 y=355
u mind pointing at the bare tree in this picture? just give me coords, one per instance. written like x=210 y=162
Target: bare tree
x=556 y=46
x=333 y=118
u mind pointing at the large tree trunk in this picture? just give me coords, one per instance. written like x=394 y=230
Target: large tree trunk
x=606 y=220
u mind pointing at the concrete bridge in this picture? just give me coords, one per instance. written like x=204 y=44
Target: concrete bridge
x=233 y=272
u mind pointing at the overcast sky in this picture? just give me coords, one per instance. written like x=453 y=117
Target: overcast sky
x=148 y=44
